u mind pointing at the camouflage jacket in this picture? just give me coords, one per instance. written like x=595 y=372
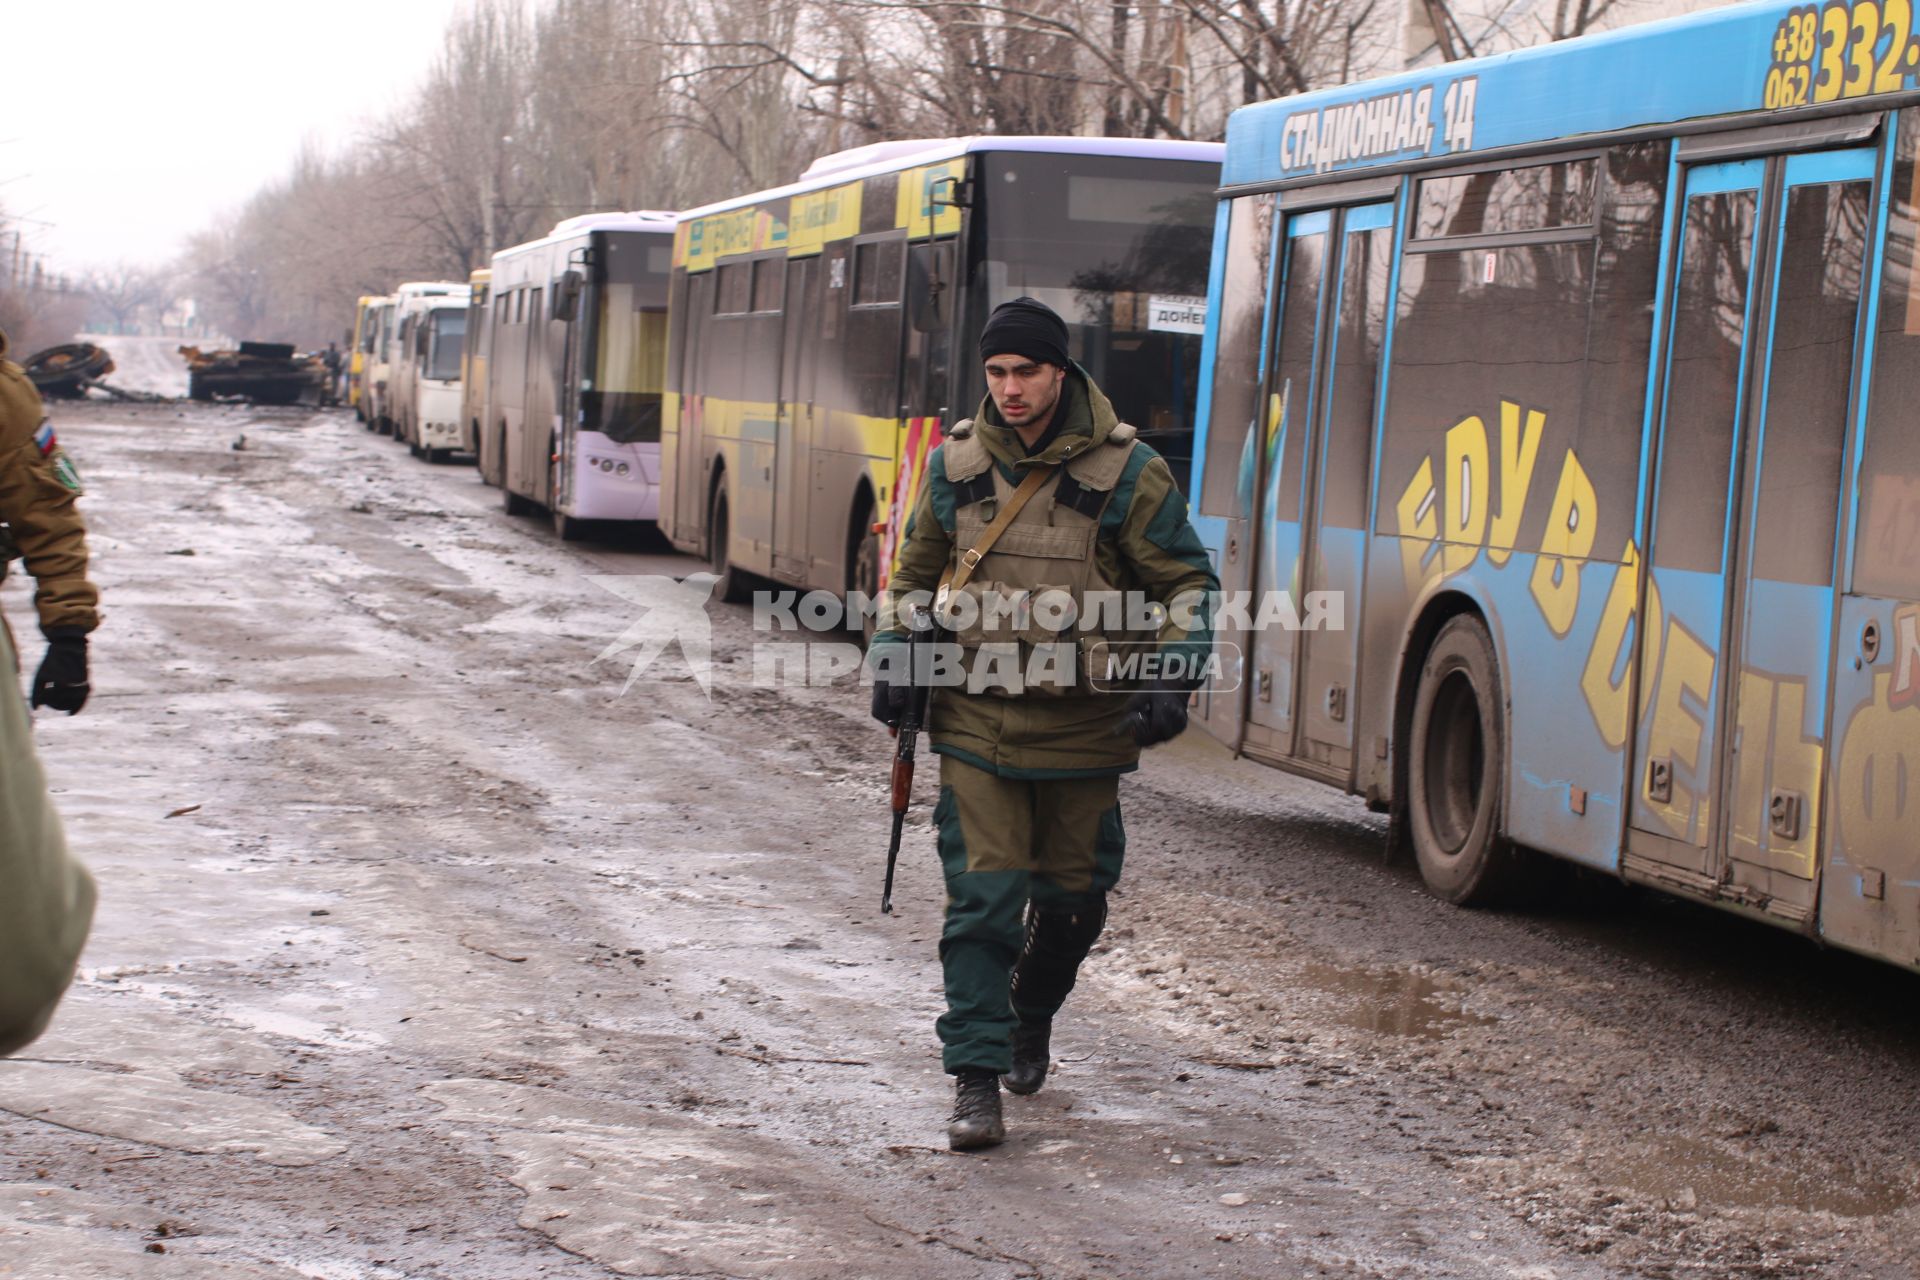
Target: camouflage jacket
x=46 y=899
x=38 y=486
x=1144 y=545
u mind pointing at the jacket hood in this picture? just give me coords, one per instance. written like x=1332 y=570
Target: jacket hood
x=1090 y=419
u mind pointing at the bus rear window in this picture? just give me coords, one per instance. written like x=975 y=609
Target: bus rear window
x=1537 y=197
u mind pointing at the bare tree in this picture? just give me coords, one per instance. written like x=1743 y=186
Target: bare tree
x=123 y=291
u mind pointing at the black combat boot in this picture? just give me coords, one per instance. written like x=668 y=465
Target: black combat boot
x=1031 y=1056
x=1056 y=942
x=976 y=1112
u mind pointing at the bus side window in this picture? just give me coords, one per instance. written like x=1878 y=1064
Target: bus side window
x=1887 y=555
x=1236 y=379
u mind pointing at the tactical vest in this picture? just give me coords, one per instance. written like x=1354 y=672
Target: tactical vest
x=1027 y=611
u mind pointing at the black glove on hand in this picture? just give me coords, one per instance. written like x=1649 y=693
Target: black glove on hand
x=1156 y=715
x=61 y=682
x=889 y=702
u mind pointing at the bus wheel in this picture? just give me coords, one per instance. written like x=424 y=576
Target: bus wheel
x=1456 y=760
x=515 y=504
x=732 y=587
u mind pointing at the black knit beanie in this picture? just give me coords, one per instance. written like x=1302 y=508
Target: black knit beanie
x=1025 y=327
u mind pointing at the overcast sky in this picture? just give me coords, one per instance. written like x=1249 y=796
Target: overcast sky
x=126 y=125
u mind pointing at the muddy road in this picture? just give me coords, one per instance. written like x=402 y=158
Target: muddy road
x=460 y=962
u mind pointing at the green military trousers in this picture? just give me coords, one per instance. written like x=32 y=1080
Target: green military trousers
x=1005 y=842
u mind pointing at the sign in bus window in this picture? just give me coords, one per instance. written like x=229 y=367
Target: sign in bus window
x=1533 y=198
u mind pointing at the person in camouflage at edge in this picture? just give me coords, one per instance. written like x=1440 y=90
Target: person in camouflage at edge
x=1029 y=829
x=42 y=522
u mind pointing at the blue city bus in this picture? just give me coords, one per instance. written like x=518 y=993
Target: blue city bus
x=1584 y=380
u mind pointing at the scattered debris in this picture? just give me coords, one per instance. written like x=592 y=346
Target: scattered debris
x=488 y=951
x=262 y=372
x=64 y=372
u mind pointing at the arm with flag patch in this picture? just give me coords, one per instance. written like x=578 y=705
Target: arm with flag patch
x=38 y=486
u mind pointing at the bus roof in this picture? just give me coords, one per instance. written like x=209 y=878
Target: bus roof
x=1743 y=58
x=658 y=221
x=633 y=220
x=888 y=157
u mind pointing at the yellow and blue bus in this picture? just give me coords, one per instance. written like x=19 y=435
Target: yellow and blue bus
x=1582 y=379
x=823 y=332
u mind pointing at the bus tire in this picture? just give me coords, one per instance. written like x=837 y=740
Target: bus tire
x=1456 y=764
x=513 y=503
x=732 y=585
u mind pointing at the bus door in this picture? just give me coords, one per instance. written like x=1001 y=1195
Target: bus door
x=566 y=396
x=690 y=473
x=1736 y=651
x=793 y=449
x=1310 y=484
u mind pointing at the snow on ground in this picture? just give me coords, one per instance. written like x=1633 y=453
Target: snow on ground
x=152 y=365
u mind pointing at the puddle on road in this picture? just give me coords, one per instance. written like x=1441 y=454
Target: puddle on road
x=1690 y=1173
x=1390 y=1002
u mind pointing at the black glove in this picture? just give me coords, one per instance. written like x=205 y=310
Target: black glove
x=889 y=701
x=1156 y=715
x=61 y=682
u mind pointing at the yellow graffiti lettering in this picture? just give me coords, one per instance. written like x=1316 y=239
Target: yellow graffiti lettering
x=1877 y=780
x=1679 y=723
x=1607 y=698
x=1519 y=451
x=1568 y=540
x=1466 y=500
x=1419 y=526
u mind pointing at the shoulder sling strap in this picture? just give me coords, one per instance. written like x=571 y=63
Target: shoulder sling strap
x=957 y=578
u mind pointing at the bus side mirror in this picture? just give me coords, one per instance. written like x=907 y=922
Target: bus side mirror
x=566 y=295
x=930 y=286
x=950 y=192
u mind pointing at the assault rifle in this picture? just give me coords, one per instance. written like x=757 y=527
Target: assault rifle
x=921 y=635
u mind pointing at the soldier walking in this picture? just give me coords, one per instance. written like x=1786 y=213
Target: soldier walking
x=38 y=486
x=1044 y=492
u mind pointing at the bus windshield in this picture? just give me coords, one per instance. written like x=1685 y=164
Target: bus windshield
x=1119 y=247
x=626 y=337
x=446 y=333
